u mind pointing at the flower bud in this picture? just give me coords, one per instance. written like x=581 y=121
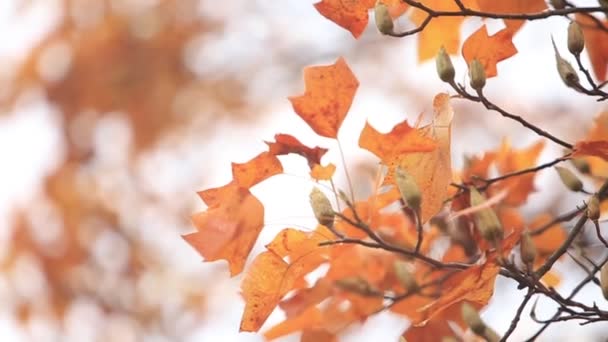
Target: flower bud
x=408 y=188
x=486 y=220
x=576 y=40
x=569 y=179
x=477 y=75
x=471 y=317
x=593 y=208
x=604 y=280
x=321 y=207
x=445 y=68
x=558 y=4
x=357 y=285
x=405 y=277
x=527 y=249
x=581 y=164
x=384 y=22
x=565 y=70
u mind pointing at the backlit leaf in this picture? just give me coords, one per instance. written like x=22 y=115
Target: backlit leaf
x=489 y=50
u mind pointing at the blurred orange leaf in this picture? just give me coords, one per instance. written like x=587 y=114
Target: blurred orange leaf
x=596 y=44
x=328 y=96
x=261 y=167
x=489 y=50
x=597 y=148
x=319 y=172
x=512 y=6
x=401 y=139
x=306 y=320
x=551 y=239
x=229 y=227
x=286 y=144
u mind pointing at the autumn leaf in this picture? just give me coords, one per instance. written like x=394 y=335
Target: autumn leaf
x=353 y=15
x=271 y=277
x=256 y=170
x=551 y=239
x=229 y=227
x=328 y=96
x=596 y=44
x=597 y=148
x=432 y=170
x=512 y=6
x=286 y=144
x=489 y=50
x=401 y=139
x=319 y=172
x=306 y=320
x=440 y=31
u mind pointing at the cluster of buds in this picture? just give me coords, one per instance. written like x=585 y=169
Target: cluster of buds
x=384 y=22
x=569 y=179
x=487 y=222
x=471 y=317
x=322 y=208
x=446 y=72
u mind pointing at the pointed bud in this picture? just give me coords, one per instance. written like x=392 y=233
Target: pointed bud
x=604 y=280
x=582 y=165
x=408 y=188
x=384 y=22
x=487 y=222
x=576 y=40
x=558 y=4
x=471 y=317
x=527 y=249
x=357 y=285
x=477 y=74
x=405 y=277
x=321 y=207
x=445 y=68
x=569 y=179
x=593 y=208
x=565 y=69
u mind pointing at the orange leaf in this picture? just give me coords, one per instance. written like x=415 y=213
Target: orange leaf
x=597 y=148
x=512 y=6
x=229 y=227
x=328 y=96
x=352 y=15
x=440 y=31
x=305 y=320
x=256 y=170
x=401 y=139
x=489 y=50
x=285 y=144
x=596 y=44
x=432 y=170
x=551 y=239
x=319 y=172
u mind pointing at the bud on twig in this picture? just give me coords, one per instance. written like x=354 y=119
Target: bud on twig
x=321 y=207
x=558 y=4
x=576 y=40
x=408 y=188
x=445 y=68
x=565 y=70
x=527 y=249
x=357 y=285
x=569 y=179
x=471 y=317
x=604 y=280
x=477 y=75
x=384 y=22
x=486 y=220
x=581 y=164
x=593 y=208
x=405 y=277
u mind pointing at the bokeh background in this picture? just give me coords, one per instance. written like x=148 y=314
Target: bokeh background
x=113 y=113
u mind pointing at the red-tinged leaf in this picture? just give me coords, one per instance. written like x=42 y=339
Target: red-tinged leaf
x=261 y=167
x=229 y=227
x=400 y=140
x=512 y=6
x=285 y=144
x=308 y=319
x=596 y=44
x=596 y=148
x=320 y=172
x=328 y=96
x=352 y=15
x=489 y=50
